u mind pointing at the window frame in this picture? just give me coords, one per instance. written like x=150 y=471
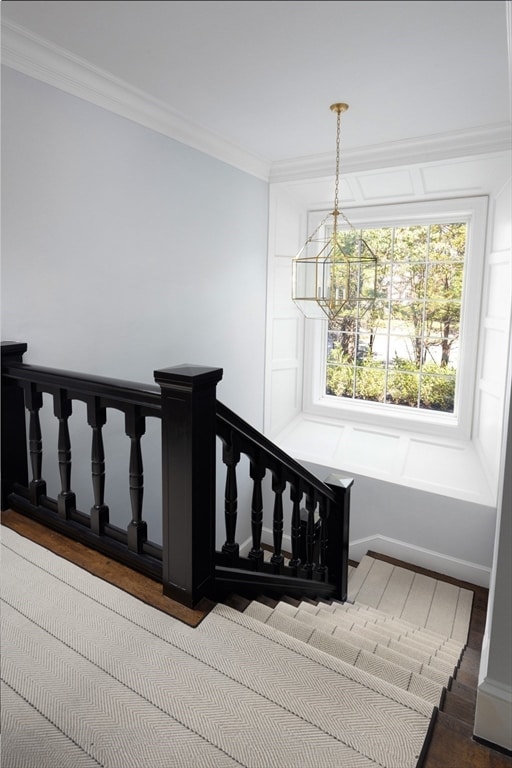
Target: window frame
x=458 y=425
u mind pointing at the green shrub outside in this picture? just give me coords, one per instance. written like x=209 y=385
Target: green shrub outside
x=367 y=381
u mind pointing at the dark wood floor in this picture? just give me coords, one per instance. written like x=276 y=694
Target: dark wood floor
x=451 y=744
x=146 y=589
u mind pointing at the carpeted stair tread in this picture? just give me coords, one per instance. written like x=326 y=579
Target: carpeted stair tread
x=361 y=614
x=435 y=669
x=302 y=648
x=258 y=610
x=439 y=673
x=381 y=629
x=394 y=597
x=367 y=638
x=423 y=600
x=402 y=677
x=121 y=681
x=440 y=614
x=348 y=619
x=232 y=691
x=358 y=577
x=380 y=617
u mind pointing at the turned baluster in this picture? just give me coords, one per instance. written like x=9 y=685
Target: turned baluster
x=323 y=507
x=278 y=486
x=96 y=418
x=310 y=533
x=257 y=472
x=137 y=528
x=62 y=408
x=34 y=403
x=296 y=496
x=230 y=457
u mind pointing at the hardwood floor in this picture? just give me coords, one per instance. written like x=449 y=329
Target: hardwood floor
x=451 y=744
x=146 y=589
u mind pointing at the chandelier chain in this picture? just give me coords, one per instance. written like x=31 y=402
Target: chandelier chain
x=339 y=107
x=336 y=185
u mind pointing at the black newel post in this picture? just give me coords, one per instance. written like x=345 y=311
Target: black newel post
x=338 y=525
x=14 y=437
x=188 y=480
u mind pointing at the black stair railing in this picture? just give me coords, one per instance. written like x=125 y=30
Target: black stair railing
x=192 y=420
x=318 y=523
x=23 y=387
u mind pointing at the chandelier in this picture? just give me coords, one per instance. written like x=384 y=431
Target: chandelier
x=336 y=269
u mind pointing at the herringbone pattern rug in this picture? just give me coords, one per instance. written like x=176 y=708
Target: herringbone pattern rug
x=93 y=677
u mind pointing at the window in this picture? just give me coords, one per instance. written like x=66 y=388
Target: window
x=401 y=348
x=410 y=354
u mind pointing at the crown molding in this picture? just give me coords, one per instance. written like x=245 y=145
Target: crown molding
x=468 y=143
x=33 y=56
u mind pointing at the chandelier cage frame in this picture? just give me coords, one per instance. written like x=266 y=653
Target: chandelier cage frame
x=336 y=269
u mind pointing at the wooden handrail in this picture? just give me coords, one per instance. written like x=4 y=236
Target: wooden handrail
x=82 y=385
x=187 y=563
x=249 y=436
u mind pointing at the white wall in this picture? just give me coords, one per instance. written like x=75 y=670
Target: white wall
x=124 y=251
x=285 y=337
x=493 y=717
x=425 y=515
x=432 y=531
x=494 y=342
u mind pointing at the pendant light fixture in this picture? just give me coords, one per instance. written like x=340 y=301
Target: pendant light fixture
x=336 y=269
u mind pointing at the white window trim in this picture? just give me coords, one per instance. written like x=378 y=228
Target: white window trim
x=458 y=425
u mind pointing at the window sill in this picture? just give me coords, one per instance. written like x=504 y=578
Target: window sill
x=418 y=460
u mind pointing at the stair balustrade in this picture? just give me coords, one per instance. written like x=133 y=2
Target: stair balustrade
x=187 y=563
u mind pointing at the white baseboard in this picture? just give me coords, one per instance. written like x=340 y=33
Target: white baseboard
x=409 y=553
x=245 y=547
x=493 y=715
x=424 y=558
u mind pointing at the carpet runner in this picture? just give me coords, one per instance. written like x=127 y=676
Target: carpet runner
x=91 y=676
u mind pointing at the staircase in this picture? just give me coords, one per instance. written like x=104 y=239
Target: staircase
x=401 y=634
x=382 y=680
x=301 y=681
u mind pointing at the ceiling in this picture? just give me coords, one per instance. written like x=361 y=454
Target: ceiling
x=260 y=76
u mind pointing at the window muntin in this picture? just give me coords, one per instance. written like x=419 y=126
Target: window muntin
x=401 y=348
x=455 y=418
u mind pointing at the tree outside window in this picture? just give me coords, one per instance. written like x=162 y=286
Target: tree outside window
x=402 y=348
